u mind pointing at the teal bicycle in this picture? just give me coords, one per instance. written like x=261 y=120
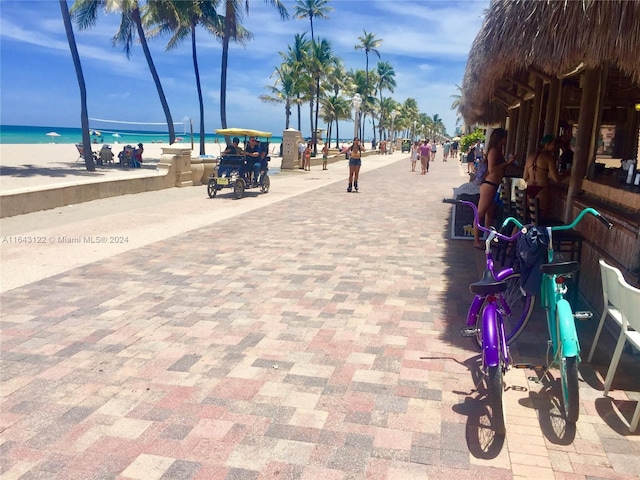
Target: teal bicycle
x=563 y=348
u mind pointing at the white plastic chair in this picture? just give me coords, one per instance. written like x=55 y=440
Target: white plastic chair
x=611 y=277
x=630 y=330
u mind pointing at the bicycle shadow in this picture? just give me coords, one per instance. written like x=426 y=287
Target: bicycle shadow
x=482 y=440
x=550 y=410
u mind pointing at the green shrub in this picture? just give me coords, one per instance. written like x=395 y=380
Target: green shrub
x=471 y=139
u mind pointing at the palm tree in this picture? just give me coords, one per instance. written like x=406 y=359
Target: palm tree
x=409 y=114
x=457 y=103
x=310 y=9
x=295 y=57
x=283 y=90
x=86 y=14
x=320 y=61
x=335 y=108
x=181 y=19
x=386 y=81
x=369 y=43
x=387 y=107
x=84 y=115
x=232 y=19
x=438 y=125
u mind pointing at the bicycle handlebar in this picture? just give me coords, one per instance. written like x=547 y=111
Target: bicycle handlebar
x=455 y=201
x=573 y=224
x=577 y=220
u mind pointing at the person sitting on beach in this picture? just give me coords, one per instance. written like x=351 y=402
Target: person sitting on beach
x=137 y=156
x=106 y=155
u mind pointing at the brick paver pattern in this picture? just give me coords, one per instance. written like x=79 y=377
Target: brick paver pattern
x=316 y=338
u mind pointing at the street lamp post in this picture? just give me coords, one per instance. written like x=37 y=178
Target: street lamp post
x=413 y=133
x=356 y=102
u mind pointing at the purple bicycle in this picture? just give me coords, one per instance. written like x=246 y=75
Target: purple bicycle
x=497 y=316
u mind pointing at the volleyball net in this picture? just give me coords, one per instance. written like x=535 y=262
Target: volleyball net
x=122 y=128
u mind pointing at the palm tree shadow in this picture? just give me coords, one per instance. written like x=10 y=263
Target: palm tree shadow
x=550 y=410
x=24 y=171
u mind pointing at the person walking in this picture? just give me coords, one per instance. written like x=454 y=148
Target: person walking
x=433 y=150
x=414 y=155
x=325 y=155
x=479 y=153
x=355 y=162
x=425 y=156
x=445 y=150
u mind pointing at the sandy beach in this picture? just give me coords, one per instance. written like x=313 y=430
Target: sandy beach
x=32 y=165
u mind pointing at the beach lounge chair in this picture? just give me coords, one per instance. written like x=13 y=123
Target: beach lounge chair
x=80 y=148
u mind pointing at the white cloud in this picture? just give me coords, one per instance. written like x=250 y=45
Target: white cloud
x=426 y=42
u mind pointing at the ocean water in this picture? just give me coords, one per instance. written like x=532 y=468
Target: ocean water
x=26 y=134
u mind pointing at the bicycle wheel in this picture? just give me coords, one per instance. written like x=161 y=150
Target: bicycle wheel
x=495 y=388
x=570 y=388
x=521 y=307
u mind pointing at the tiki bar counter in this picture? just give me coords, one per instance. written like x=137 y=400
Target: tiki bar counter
x=571 y=70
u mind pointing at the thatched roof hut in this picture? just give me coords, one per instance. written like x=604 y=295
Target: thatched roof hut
x=551 y=37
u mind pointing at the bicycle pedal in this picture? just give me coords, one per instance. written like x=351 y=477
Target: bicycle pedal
x=528 y=366
x=469 y=331
x=583 y=315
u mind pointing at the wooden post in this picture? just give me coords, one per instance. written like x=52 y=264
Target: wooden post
x=513 y=128
x=534 y=125
x=523 y=122
x=586 y=136
x=552 y=118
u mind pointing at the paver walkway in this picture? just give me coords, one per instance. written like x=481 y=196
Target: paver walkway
x=311 y=338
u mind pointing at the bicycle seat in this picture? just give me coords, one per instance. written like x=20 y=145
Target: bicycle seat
x=488 y=285
x=559 y=268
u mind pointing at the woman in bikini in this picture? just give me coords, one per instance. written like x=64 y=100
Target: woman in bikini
x=496 y=166
x=354 y=164
x=539 y=168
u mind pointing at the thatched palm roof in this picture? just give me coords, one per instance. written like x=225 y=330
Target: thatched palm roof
x=552 y=37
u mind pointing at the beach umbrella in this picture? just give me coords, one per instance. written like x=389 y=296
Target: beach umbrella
x=456 y=139
x=53 y=134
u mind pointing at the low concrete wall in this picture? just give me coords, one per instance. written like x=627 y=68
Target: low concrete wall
x=336 y=157
x=174 y=169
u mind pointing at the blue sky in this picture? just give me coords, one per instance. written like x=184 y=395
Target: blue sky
x=427 y=43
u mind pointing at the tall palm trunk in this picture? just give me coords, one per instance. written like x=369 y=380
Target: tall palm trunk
x=315 y=126
x=84 y=114
x=223 y=77
x=147 y=54
x=198 y=86
x=287 y=113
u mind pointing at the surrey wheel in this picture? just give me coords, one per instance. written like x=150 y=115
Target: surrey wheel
x=238 y=188
x=212 y=188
